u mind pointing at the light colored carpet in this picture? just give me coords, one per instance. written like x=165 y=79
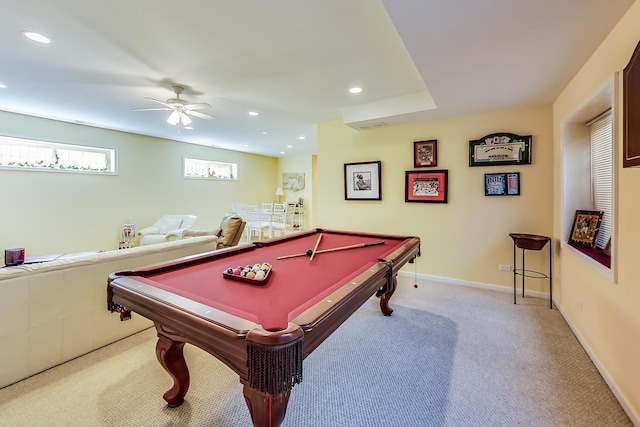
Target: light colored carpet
x=448 y=356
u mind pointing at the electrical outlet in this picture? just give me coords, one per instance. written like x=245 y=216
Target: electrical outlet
x=504 y=267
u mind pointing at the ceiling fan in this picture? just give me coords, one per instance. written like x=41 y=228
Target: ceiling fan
x=180 y=109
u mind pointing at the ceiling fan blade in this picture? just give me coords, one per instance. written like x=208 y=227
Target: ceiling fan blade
x=159 y=102
x=201 y=115
x=174 y=118
x=186 y=121
x=152 y=109
x=197 y=106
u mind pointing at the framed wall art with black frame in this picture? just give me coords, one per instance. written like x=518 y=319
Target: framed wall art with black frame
x=363 y=181
x=500 y=149
x=426 y=187
x=425 y=153
x=586 y=225
x=502 y=184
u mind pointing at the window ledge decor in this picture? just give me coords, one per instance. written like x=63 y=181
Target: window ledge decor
x=586 y=225
x=500 y=149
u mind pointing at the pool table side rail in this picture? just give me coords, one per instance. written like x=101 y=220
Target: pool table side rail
x=221 y=334
x=183 y=262
x=349 y=297
x=294 y=236
x=324 y=317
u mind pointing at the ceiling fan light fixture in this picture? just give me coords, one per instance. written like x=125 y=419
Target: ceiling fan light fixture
x=174 y=118
x=186 y=121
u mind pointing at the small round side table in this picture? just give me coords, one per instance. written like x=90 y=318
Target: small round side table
x=531 y=242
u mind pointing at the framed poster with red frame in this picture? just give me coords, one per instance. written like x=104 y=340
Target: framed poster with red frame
x=426 y=187
x=425 y=153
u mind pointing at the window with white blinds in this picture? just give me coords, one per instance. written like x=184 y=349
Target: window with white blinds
x=602 y=173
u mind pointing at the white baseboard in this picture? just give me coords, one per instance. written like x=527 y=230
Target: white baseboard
x=633 y=416
x=482 y=285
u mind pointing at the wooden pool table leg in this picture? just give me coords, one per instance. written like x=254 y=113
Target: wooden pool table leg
x=267 y=410
x=169 y=354
x=386 y=296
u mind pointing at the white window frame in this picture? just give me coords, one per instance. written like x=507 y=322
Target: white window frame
x=46 y=156
x=209 y=169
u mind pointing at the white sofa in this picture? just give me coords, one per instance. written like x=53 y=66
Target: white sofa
x=55 y=311
x=166 y=229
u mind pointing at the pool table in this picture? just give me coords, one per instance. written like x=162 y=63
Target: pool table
x=261 y=329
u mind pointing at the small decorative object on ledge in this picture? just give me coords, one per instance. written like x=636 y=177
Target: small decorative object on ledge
x=13 y=256
x=631 y=111
x=586 y=225
x=128 y=238
x=500 y=149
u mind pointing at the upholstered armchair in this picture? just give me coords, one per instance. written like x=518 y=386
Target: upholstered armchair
x=167 y=228
x=229 y=233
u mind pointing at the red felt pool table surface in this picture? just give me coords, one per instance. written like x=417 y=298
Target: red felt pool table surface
x=295 y=283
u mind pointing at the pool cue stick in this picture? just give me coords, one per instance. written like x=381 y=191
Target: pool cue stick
x=340 y=248
x=316 y=247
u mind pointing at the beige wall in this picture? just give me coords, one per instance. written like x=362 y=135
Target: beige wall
x=605 y=315
x=304 y=164
x=52 y=212
x=468 y=237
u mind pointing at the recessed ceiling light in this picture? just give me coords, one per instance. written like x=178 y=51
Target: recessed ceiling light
x=302 y=137
x=355 y=90
x=265 y=133
x=2 y=86
x=282 y=152
x=36 y=37
x=189 y=127
x=289 y=146
x=245 y=145
x=253 y=113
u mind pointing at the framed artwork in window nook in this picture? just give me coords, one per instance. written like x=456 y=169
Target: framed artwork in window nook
x=502 y=184
x=586 y=225
x=425 y=153
x=362 y=181
x=426 y=187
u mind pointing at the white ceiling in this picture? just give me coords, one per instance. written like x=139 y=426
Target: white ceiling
x=292 y=61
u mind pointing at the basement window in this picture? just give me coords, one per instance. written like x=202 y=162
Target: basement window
x=209 y=169
x=589 y=181
x=34 y=155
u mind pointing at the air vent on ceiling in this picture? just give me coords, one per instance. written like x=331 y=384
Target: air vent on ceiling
x=366 y=126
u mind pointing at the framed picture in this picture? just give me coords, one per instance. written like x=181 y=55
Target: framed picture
x=293 y=181
x=363 y=181
x=502 y=184
x=425 y=153
x=426 y=187
x=631 y=111
x=586 y=225
x=500 y=149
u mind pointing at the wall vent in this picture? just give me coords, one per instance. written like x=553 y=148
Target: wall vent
x=366 y=126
